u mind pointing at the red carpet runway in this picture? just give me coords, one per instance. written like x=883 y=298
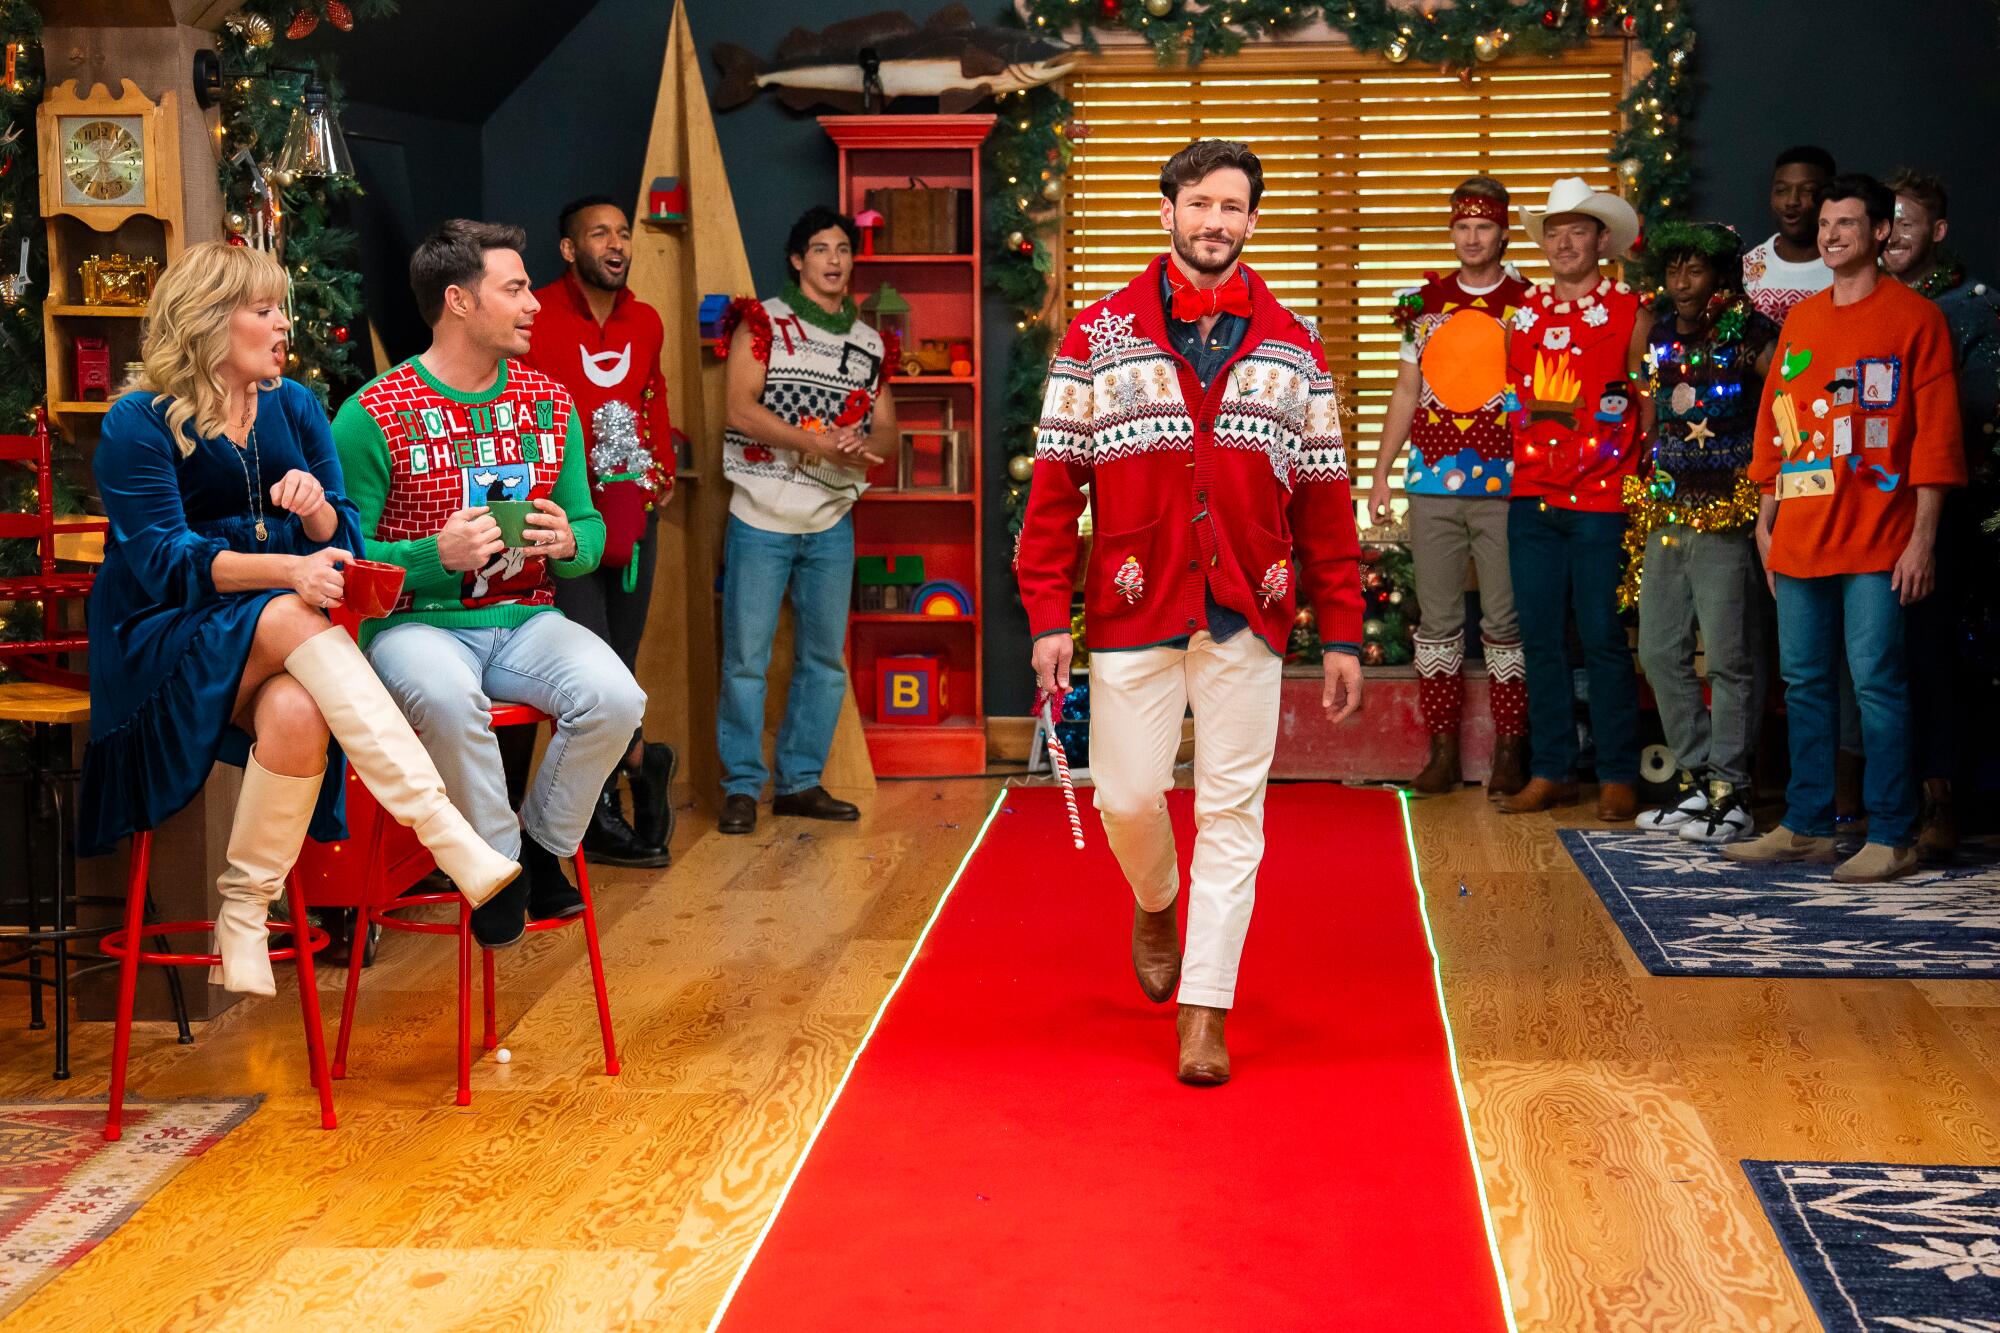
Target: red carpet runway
x=1011 y=1150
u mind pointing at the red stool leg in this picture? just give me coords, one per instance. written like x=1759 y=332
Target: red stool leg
x=363 y=917
x=492 y=1035
x=309 y=1003
x=128 y=980
x=596 y=965
x=464 y=1003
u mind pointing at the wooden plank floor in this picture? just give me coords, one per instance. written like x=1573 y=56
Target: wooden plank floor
x=1610 y=1107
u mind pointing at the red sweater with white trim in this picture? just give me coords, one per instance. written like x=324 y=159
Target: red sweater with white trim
x=1240 y=488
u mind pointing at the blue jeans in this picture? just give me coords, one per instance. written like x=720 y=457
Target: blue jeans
x=1816 y=618
x=446 y=681
x=1565 y=560
x=758 y=567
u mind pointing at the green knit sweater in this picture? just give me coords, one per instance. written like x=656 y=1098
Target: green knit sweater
x=413 y=451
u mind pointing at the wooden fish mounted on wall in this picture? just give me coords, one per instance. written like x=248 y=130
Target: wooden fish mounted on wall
x=862 y=64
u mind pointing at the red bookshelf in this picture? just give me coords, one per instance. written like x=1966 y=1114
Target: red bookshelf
x=942 y=526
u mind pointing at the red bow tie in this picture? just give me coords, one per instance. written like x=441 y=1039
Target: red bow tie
x=1191 y=303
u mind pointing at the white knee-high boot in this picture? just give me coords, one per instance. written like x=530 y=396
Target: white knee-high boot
x=272 y=815
x=378 y=741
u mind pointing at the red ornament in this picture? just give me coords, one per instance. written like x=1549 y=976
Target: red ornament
x=1593 y=7
x=1108 y=10
x=341 y=334
x=303 y=22
x=1629 y=24
x=1027 y=247
x=1551 y=18
x=236 y=238
x=339 y=15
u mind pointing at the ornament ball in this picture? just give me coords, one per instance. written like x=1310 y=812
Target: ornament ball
x=1107 y=9
x=1159 y=9
x=235 y=222
x=1052 y=190
x=1021 y=466
x=341 y=334
x=1015 y=240
x=1397 y=51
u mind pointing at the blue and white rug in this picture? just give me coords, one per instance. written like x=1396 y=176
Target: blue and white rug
x=1911 y=1248
x=1687 y=911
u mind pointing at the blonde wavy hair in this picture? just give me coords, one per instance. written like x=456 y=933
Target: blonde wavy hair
x=187 y=333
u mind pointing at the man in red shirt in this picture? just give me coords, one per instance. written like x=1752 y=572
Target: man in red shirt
x=1857 y=441
x=1450 y=406
x=1200 y=414
x=603 y=344
x=1575 y=359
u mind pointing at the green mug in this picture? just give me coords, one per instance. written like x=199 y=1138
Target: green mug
x=512 y=516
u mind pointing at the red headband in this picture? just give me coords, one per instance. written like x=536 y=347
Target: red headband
x=1478 y=206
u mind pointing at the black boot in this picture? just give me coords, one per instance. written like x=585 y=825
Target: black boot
x=551 y=897
x=652 y=784
x=613 y=841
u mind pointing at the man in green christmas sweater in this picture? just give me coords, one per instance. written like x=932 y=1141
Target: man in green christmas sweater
x=468 y=469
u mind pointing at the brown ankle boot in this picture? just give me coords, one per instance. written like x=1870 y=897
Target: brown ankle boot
x=1510 y=766
x=1617 y=802
x=1156 y=952
x=1937 y=829
x=1204 y=1055
x=1441 y=772
x=1538 y=794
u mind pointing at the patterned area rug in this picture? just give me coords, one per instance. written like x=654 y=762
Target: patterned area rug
x=1688 y=911
x=1913 y=1248
x=63 y=1189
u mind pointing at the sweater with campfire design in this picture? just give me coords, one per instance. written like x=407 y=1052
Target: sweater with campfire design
x=1238 y=490
x=415 y=451
x=815 y=379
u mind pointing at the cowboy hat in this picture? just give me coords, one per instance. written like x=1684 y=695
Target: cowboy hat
x=1572 y=194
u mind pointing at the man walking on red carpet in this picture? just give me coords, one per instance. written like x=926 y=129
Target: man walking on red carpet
x=1199 y=413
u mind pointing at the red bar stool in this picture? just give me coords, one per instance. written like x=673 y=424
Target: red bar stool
x=118 y=945
x=379 y=861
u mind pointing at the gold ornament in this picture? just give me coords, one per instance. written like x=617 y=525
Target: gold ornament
x=1159 y=9
x=1021 y=466
x=1397 y=51
x=283 y=179
x=254 y=29
x=1051 y=190
x=1487 y=45
x=1015 y=240
x=236 y=223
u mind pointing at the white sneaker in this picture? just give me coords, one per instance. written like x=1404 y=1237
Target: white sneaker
x=1671 y=818
x=1723 y=819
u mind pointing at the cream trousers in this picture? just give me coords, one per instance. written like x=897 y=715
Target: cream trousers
x=1137 y=700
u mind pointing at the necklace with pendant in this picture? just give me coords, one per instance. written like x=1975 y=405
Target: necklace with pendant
x=250 y=480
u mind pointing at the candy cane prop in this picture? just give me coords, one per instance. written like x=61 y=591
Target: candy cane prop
x=1061 y=759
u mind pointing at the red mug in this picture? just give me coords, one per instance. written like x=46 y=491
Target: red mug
x=372 y=588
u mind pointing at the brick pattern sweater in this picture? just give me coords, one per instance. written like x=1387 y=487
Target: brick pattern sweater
x=1239 y=489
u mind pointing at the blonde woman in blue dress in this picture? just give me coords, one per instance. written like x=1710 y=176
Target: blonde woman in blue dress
x=209 y=637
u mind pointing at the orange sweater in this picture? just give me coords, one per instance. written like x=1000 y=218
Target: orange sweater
x=1859 y=409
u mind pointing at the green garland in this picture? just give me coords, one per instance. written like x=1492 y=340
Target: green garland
x=21 y=363
x=319 y=256
x=1028 y=151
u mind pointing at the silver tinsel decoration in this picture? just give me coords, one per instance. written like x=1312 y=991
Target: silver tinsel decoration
x=615 y=427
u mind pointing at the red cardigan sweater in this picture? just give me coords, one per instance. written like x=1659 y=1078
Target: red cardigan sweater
x=1241 y=487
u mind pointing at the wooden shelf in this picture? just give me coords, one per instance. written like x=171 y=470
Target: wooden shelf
x=916 y=497
x=906 y=618
x=934 y=379
x=81 y=409
x=912 y=259
x=657 y=223
x=97 y=311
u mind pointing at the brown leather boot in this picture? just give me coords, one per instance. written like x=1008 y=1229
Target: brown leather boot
x=1510 y=766
x=1539 y=794
x=1937 y=829
x=1156 y=952
x=1204 y=1055
x=1441 y=772
x=1617 y=802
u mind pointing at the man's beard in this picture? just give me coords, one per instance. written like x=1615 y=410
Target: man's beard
x=594 y=273
x=1921 y=260
x=1184 y=247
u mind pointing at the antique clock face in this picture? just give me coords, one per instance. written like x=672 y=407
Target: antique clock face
x=103 y=160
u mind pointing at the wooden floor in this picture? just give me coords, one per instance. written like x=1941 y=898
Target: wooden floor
x=1610 y=1107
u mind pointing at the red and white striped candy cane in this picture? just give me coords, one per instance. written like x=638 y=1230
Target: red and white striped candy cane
x=1061 y=759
